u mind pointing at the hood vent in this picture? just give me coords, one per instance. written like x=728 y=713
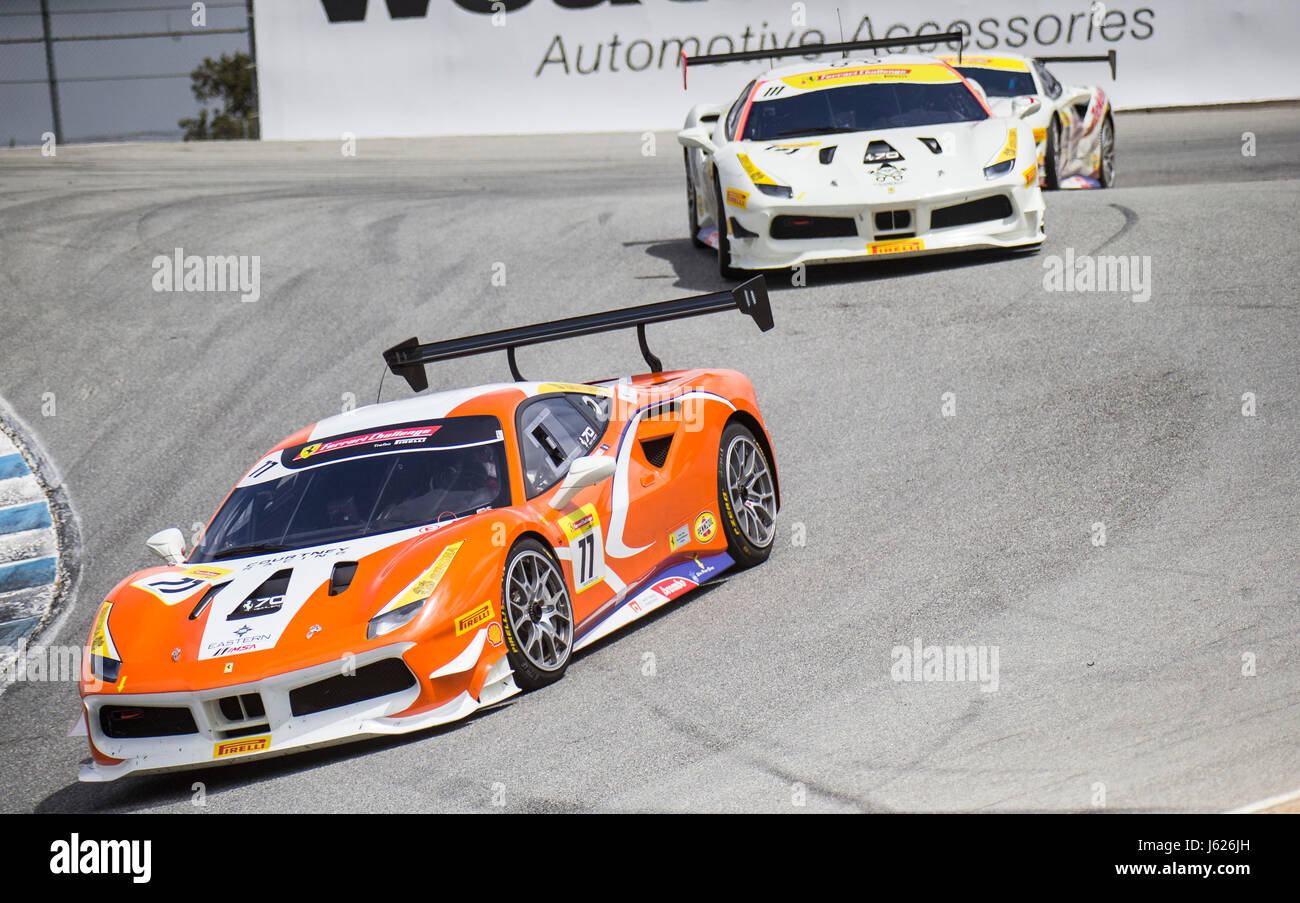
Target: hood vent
x=881 y=152
x=932 y=144
x=827 y=154
x=267 y=599
x=341 y=576
x=206 y=600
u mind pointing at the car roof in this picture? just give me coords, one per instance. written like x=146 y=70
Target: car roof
x=494 y=398
x=805 y=76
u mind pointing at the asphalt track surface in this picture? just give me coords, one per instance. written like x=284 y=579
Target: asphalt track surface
x=1119 y=665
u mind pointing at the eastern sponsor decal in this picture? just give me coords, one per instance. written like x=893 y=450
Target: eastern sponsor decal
x=474 y=618
x=706 y=526
x=494 y=633
x=241 y=746
x=679 y=537
x=898 y=246
x=241 y=640
x=738 y=198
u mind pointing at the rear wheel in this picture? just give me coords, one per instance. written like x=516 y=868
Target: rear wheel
x=692 y=204
x=746 y=496
x=1106 y=171
x=1050 y=158
x=536 y=615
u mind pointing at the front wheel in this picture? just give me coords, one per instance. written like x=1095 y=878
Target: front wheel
x=746 y=496
x=725 y=269
x=1106 y=171
x=692 y=204
x=536 y=614
x=1050 y=162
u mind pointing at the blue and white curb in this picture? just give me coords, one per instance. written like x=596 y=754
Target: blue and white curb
x=30 y=566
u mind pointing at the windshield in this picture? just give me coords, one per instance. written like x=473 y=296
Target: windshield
x=860 y=108
x=1000 y=82
x=452 y=467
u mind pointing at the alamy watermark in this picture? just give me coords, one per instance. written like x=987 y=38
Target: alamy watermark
x=1107 y=273
x=183 y=272
x=974 y=664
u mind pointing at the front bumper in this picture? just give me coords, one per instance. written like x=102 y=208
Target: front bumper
x=220 y=739
x=1023 y=227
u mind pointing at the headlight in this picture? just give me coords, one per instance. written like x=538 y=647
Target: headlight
x=407 y=604
x=777 y=191
x=388 y=621
x=1005 y=159
x=104 y=659
x=997 y=170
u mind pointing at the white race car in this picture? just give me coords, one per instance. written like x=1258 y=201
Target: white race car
x=855 y=159
x=1073 y=127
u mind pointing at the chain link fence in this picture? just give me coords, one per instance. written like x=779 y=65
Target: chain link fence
x=109 y=70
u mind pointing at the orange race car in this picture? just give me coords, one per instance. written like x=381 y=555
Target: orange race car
x=404 y=564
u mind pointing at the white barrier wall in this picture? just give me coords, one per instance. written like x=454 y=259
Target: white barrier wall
x=440 y=67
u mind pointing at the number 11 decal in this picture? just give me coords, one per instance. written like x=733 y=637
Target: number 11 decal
x=587 y=546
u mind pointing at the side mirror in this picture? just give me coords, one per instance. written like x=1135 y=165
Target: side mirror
x=170 y=544
x=698 y=138
x=1024 y=107
x=583 y=472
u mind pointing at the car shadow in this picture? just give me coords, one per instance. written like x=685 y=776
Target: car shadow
x=175 y=787
x=696 y=269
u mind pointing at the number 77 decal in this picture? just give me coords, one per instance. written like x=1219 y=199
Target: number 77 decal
x=582 y=528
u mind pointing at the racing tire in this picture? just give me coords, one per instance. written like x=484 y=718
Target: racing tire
x=725 y=269
x=1049 y=157
x=536 y=615
x=1106 y=149
x=746 y=496
x=692 y=218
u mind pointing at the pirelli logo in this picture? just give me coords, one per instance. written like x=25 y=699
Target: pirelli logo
x=474 y=618
x=241 y=746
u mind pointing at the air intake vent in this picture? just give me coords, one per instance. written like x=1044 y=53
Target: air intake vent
x=881 y=152
x=341 y=576
x=123 y=722
x=267 y=599
x=984 y=210
x=814 y=227
x=656 y=450
x=827 y=154
x=206 y=600
x=932 y=144
x=387 y=676
x=893 y=220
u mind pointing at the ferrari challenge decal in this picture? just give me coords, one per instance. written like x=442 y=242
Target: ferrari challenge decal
x=241 y=746
x=1008 y=151
x=929 y=73
x=424 y=585
x=898 y=246
x=706 y=526
x=583 y=531
x=177 y=586
x=756 y=175
x=417 y=436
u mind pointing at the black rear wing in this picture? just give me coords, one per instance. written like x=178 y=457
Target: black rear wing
x=948 y=37
x=1108 y=57
x=407 y=360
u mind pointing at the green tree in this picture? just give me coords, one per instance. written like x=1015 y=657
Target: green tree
x=229 y=82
